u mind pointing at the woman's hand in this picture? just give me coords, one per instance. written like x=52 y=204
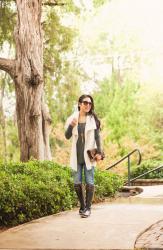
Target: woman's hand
x=74 y=122
x=98 y=157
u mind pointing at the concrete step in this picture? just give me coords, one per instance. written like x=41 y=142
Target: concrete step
x=147 y=182
x=146 y=195
x=139 y=200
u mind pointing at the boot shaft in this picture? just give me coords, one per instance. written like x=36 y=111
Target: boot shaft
x=89 y=195
x=79 y=189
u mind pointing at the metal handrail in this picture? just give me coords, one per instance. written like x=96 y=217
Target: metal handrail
x=129 y=164
x=150 y=171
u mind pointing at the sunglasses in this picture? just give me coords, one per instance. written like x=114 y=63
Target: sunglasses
x=87 y=103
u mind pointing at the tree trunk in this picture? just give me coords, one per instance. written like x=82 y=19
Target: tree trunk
x=32 y=123
x=26 y=70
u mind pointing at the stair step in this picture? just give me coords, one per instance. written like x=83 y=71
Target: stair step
x=147 y=182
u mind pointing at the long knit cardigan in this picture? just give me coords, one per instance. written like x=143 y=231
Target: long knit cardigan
x=90 y=142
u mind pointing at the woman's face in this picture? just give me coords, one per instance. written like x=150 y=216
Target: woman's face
x=85 y=105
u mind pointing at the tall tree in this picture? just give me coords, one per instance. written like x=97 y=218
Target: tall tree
x=26 y=71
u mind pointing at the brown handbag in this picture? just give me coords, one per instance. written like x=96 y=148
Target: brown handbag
x=92 y=154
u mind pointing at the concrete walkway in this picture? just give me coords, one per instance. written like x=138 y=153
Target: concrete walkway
x=112 y=225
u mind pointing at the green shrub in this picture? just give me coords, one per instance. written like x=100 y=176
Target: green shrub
x=36 y=189
x=147 y=166
x=107 y=184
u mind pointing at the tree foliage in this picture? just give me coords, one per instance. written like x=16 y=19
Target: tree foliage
x=7 y=21
x=116 y=104
x=127 y=116
x=61 y=76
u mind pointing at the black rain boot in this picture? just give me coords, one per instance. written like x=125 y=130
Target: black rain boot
x=89 y=196
x=80 y=193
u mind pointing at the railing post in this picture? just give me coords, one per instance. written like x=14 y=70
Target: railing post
x=129 y=173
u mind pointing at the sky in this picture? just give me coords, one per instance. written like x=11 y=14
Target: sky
x=140 y=19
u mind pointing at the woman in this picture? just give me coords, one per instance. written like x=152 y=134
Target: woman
x=84 y=127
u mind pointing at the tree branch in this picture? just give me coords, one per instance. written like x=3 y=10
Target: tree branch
x=8 y=65
x=53 y=3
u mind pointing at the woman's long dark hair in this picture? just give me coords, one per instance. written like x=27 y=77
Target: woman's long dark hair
x=91 y=112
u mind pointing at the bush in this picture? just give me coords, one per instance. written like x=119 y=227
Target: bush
x=147 y=166
x=107 y=184
x=35 y=189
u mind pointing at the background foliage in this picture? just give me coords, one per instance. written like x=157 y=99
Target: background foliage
x=146 y=166
x=131 y=114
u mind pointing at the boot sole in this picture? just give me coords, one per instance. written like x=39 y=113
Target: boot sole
x=84 y=216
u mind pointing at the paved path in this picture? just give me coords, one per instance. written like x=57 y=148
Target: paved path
x=114 y=225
